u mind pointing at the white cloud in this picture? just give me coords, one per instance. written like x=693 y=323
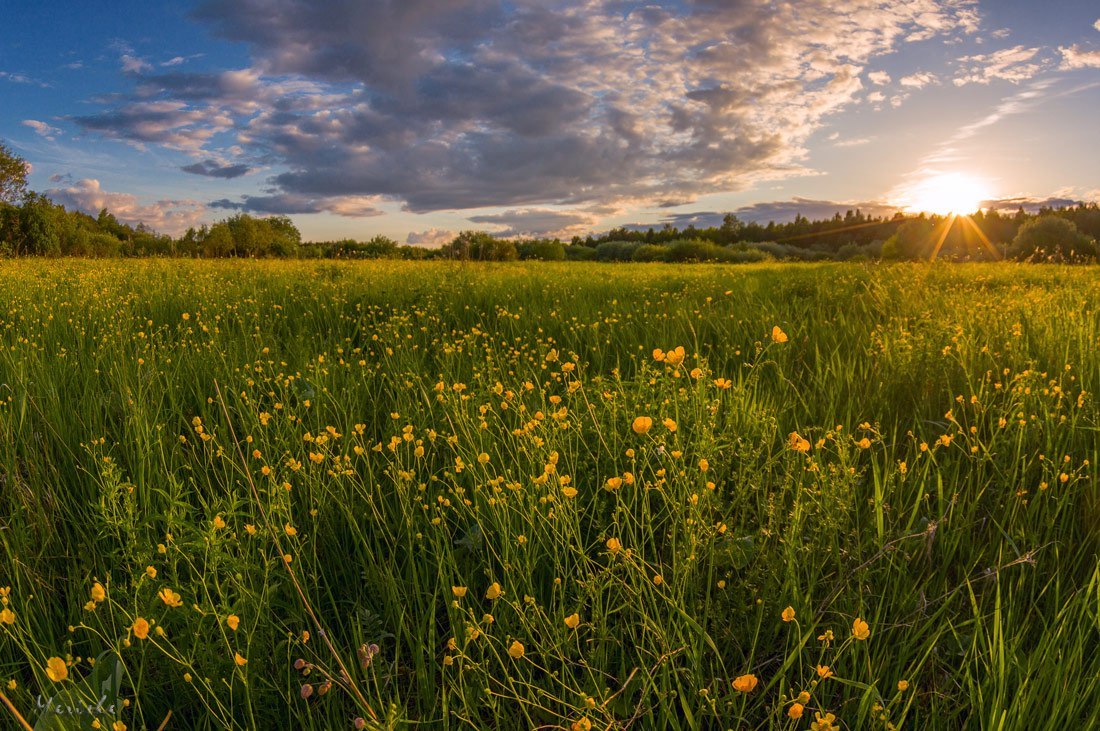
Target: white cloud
x=879 y=78
x=919 y=80
x=1096 y=25
x=1074 y=57
x=433 y=238
x=165 y=216
x=42 y=129
x=1010 y=64
x=134 y=65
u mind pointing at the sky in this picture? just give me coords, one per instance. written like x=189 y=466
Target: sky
x=416 y=119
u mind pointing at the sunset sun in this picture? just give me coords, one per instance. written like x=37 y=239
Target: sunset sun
x=946 y=193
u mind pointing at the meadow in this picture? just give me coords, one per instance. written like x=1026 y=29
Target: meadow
x=327 y=495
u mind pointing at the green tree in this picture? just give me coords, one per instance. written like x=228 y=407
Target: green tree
x=38 y=227
x=1051 y=238
x=13 y=175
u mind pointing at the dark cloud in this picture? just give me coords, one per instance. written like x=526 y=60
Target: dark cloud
x=286 y=204
x=537 y=222
x=460 y=104
x=213 y=169
x=777 y=211
x=1029 y=204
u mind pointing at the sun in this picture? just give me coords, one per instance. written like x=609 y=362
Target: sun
x=946 y=193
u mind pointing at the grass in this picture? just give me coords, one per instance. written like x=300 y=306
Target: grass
x=908 y=446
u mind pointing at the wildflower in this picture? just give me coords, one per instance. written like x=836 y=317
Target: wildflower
x=824 y=672
x=306 y=691
x=250 y=529
x=516 y=650
x=98 y=592
x=745 y=683
x=569 y=492
x=658 y=580
x=573 y=621
x=118 y=726
x=170 y=597
x=723 y=383
x=803 y=697
x=494 y=591
x=824 y=723
x=483 y=458
x=675 y=357
x=7 y=616
x=219 y=523
x=614 y=545
x=458 y=591
x=864 y=443
x=290 y=530
x=795 y=711
x=670 y=424
x=788 y=614
x=799 y=444
x=581 y=725
x=642 y=424
x=151 y=572
x=613 y=483
x=233 y=621
x=860 y=630
x=140 y=628
x=704 y=465
x=237 y=658
x=56 y=670
x=826 y=636
x=778 y=336
x=903 y=685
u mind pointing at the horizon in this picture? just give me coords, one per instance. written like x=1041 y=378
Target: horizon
x=526 y=120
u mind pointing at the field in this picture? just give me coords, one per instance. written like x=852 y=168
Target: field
x=436 y=495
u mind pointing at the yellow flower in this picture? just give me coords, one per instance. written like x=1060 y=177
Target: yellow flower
x=614 y=545
x=723 y=383
x=290 y=530
x=824 y=671
x=658 y=580
x=704 y=465
x=795 y=711
x=170 y=597
x=613 y=483
x=250 y=529
x=788 y=614
x=799 y=444
x=573 y=621
x=233 y=621
x=516 y=650
x=803 y=697
x=860 y=630
x=745 y=683
x=483 y=458
x=903 y=685
x=118 y=726
x=218 y=522
x=824 y=723
x=581 y=725
x=56 y=670
x=237 y=658
x=7 y=616
x=778 y=336
x=151 y=572
x=98 y=592
x=670 y=424
x=864 y=443
x=569 y=492
x=642 y=424
x=676 y=356
x=140 y=628
x=458 y=591
x=494 y=591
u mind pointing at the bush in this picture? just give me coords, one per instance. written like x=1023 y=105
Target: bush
x=1052 y=238
x=617 y=250
x=541 y=250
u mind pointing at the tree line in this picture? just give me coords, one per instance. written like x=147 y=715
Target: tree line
x=32 y=225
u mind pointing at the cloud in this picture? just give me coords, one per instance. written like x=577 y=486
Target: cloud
x=134 y=65
x=17 y=78
x=919 y=80
x=1030 y=204
x=1096 y=25
x=538 y=222
x=1010 y=64
x=166 y=216
x=286 y=204
x=1074 y=57
x=856 y=142
x=433 y=238
x=466 y=104
x=42 y=129
x=879 y=78
x=777 y=211
x=213 y=169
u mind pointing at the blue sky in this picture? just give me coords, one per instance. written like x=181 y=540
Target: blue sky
x=420 y=118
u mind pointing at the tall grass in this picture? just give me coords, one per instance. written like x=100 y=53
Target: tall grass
x=400 y=480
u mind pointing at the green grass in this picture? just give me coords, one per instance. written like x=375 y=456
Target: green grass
x=961 y=530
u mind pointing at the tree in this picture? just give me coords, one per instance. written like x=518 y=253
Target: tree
x=1051 y=237
x=13 y=175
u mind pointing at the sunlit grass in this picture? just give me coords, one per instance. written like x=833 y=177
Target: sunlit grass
x=552 y=496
